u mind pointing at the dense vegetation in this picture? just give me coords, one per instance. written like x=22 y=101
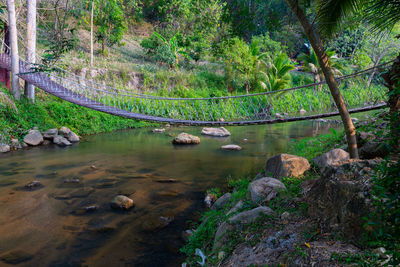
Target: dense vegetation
x=49 y=112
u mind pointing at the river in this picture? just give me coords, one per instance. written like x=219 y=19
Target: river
x=49 y=226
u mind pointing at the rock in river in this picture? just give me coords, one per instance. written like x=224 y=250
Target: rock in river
x=61 y=141
x=231 y=147
x=4 y=148
x=72 y=137
x=216 y=132
x=122 y=203
x=186 y=139
x=33 y=184
x=162 y=130
x=64 y=131
x=33 y=138
x=285 y=165
x=50 y=133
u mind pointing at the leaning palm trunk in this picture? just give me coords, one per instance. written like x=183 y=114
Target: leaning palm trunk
x=316 y=43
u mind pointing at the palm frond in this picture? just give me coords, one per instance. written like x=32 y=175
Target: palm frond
x=383 y=14
x=331 y=14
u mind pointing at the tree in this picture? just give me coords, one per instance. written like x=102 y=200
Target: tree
x=169 y=52
x=275 y=73
x=14 y=48
x=317 y=44
x=311 y=64
x=30 y=43
x=384 y=15
x=109 y=19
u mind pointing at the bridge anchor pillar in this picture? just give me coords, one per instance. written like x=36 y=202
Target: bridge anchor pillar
x=5 y=78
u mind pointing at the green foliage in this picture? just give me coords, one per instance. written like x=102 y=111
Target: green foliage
x=383 y=223
x=311 y=64
x=49 y=112
x=275 y=73
x=312 y=147
x=109 y=19
x=267 y=45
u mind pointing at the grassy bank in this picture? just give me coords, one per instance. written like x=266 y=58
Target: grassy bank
x=50 y=112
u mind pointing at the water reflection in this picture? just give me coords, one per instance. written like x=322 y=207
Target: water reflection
x=51 y=224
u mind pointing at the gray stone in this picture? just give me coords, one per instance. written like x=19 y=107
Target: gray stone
x=186 y=139
x=73 y=137
x=285 y=216
x=50 y=133
x=363 y=137
x=33 y=138
x=162 y=130
x=4 y=148
x=302 y=111
x=285 y=165
x=332 y=157
x=250 y=216
x=33 y=184
x=265 y=189
x=122 y=202
x=236 y=208
x=373 y=150
x=245 y=217
x=61 y=141
x=216 y=132
x=231 y=147
x=222 y=201
x=279 y=116
x=342 y=197
x=64 y=131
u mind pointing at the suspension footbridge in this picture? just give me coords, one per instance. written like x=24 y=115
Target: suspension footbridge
x=305 y=102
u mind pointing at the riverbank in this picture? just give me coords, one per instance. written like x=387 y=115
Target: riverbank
x=309 y=211
x=17 y=117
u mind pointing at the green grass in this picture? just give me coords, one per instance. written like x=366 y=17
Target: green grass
x=51 y=112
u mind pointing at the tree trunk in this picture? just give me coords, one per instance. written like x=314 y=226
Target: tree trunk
x=392 y=80
x=14 y=48
x=317 y=44
x=91 y=35
x=30 y=43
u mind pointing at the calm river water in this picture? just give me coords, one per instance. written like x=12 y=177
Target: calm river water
x=49 y=226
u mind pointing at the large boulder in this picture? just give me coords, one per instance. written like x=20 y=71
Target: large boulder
x=341 y=198
x=50 y=133
x=61 y=141
x=285 y=165
x=216 y=132
x=264 y=189
x=186 y=139
x=372 y=150
x=222 y=201
x=33 y=138
x=4 y=148
x=72 y=137
x=236 y=221
x=332 y=157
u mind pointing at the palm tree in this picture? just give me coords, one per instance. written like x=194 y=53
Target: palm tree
x=311 y=64
x=258 y=60
x=314 y=37
x=275 y=73
x=384 y=15
x=174 y=48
